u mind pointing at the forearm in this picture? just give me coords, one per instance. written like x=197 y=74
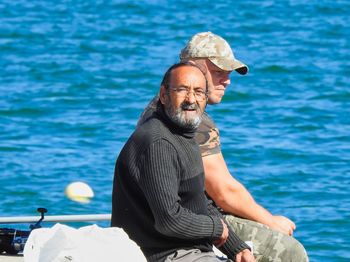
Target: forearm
x=229 y=194
x=238 y=201
x=247 y=208
x=234 y=244
x=235 y=199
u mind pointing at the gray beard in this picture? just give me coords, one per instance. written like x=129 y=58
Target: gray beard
x=177 y=117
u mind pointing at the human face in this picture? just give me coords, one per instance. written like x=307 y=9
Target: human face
x=218 y=80
x=185 y=111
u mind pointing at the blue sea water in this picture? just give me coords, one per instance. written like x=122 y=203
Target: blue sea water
x=75 y=76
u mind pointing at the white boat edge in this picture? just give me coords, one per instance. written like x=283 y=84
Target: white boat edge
x=59 y=218
x=11 y=258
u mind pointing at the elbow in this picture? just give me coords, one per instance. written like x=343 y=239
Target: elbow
x=167 y=222
x=224 y=203
x=224 y=196
x=220 y=196
x=164 y=226
x=163 y=229
x=170 y=228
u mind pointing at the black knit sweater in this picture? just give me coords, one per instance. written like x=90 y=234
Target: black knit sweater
x=158 y=192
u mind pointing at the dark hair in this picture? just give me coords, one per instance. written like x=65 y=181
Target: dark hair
x=166 y=78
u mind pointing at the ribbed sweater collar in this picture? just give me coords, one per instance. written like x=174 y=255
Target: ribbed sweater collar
x=186 y=132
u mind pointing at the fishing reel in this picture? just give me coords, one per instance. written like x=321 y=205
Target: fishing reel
x=12 y=241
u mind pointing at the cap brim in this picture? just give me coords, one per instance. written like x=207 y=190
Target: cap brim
x=230 y=65
x=242 y=70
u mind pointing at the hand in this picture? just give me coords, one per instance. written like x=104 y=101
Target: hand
x=283 y=224
x=219 y=242
x=245 y=256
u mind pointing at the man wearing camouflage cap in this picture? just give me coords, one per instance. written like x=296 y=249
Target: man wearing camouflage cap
x=210 y=46
x=270 y=234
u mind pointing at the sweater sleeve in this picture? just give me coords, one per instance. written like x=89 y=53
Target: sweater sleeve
x=234 y=244
x=159 y=181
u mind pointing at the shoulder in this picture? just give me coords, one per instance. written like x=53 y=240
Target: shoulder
x=145 y=137
x=208 y=137
x=151 y=130
x=148 y=111
x=207 y=121
x=154 y=130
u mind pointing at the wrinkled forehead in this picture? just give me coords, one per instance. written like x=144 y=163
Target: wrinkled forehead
x=190 y=76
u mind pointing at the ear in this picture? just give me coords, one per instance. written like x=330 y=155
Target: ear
x=163 y=94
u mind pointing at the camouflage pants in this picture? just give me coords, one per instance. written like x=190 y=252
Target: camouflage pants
x=268 y=245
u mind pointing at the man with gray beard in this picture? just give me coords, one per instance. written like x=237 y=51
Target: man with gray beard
x=158 y=191
x=271 y=234
x=178 y=117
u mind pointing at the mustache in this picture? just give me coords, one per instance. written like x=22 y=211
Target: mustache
x=188 y=106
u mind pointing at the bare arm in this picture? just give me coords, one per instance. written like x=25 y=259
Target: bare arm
x=234 y=198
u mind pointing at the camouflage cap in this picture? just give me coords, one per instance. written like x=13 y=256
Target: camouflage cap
x=216 y=49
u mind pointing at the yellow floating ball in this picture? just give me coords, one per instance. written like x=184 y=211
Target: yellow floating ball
x=79 y=192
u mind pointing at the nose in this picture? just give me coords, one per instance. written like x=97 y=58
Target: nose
x=225 y=80
x=190 y=97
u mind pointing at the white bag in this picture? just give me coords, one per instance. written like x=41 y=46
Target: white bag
x=62 y=243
